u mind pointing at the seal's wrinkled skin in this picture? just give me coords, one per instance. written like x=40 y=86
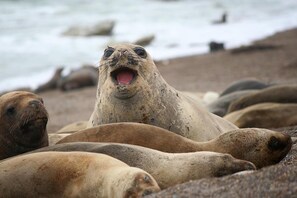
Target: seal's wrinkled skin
x=131 y=89
x=23 y=120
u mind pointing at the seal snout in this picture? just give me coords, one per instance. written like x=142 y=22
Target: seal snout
x=275 y=143
x=281 y=144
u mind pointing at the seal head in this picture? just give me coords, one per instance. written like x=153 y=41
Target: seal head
x=23 y=120
x=124 y=70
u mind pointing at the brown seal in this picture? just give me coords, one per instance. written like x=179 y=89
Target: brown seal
x=261 y=146
x=85 y=76
x=23 y=120
x=276 y=94
x=245 y=84
x=75 y=174
x=52 y=83
x=190 y=166
x=76 y=126
x=131 y=89
x=265 y=115
x=221 y=105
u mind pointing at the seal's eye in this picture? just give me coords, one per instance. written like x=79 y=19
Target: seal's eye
x=140 y=52
x=108 y=52
x=10 y=111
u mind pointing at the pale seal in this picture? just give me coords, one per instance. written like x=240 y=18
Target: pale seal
x=260 y=146
x=188 y=166
x=265 y=115
x=23 y=120
x=276 y=94
x=74 y=174
x=131 y=89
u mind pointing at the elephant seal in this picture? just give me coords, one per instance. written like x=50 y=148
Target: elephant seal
x=276 y=94
x=265 y=115
x=23 y=120
x=260 y=146
x=221 y=105
x=74 y=174
x=189 y=166
x=244 y=84
x=131 y=89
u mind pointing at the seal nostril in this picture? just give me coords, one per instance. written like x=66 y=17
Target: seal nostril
x=276 y=144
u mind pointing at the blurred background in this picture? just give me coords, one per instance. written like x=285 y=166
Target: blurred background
x=37 y=36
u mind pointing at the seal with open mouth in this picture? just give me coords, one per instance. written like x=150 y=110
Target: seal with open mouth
x=131 y=89
x=23 y=120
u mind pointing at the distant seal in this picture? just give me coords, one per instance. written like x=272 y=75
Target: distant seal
x=265 y=115
x=190 y=166
x=244 y=84
x=52 y=83
x=131 y=89
x=221 y=105
x=23 y=120
x=259 y=146
x=85 y=76
x=75 y=174
x=276 y=94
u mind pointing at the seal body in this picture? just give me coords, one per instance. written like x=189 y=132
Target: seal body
x=131 y=89
x=83 y=77
x=189 y=166
x=221 y=105
x=260 y=146
x=244 y=84
x=75 y=174
x=276 y=94
x=23 y=120
x=265 y=115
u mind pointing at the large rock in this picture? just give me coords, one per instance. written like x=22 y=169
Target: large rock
x=103 y=28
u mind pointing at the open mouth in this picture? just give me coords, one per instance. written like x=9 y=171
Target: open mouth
x=124 y=76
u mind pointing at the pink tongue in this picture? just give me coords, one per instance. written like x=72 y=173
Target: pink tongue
x=125 y=77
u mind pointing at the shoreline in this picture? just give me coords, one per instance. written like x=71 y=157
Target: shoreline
x=197 y=73
x=35 y=79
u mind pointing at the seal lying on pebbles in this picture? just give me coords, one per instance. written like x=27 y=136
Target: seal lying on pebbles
x=23 y=120
x=261 y=146
x=188 y=166
x=221 y=105
x=244 y=84
x=131 y=89
x=277 y=94
x=74 y=174
x=265 y=115
x=85 y=76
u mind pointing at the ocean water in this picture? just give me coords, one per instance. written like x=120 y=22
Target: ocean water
x=32 y=44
